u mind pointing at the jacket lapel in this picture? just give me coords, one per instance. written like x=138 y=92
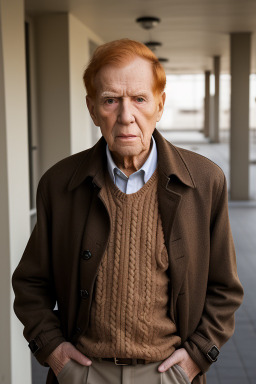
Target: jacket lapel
x=174 y=179
x=169 y=202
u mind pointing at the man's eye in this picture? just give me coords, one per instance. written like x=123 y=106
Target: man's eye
x=140 y=99
x=110 y=101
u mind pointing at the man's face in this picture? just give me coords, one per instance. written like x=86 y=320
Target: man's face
x=125 y=107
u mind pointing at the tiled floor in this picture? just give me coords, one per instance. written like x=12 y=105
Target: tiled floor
x=237 y=361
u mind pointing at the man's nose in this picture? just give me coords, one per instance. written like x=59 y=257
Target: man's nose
x=125 y=112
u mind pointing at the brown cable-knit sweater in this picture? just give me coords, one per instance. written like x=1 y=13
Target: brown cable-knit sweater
x=128 y=315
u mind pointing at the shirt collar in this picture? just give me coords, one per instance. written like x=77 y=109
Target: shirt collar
x=148 y=168
x=171 y=160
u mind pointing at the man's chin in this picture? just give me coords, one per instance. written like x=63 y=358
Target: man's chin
x=128 y=153
x=127 y=150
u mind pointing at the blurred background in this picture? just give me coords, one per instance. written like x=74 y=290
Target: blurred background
x=208 y=50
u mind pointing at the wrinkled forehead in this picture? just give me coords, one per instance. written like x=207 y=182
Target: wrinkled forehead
x=135 y=74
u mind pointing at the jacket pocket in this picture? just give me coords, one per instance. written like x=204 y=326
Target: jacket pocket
x=177 y=249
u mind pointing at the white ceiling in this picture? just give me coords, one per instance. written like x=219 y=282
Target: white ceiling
x=191 y=31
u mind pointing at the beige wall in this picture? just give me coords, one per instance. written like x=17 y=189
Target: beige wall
x=14 y=216
x=79 y=53
x=62 y=52
x=52 y=58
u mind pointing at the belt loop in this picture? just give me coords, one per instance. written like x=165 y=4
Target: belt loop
x=134 y=361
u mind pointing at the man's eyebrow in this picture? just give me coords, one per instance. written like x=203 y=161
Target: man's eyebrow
x=138 y=92
x=109 y=94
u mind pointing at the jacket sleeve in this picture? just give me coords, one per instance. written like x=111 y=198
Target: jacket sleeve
x=34 y=288
x=224 y=291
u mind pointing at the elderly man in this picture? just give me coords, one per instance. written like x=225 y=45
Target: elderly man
x=132 y=241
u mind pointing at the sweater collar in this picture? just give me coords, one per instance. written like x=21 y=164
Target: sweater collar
x=94 y=163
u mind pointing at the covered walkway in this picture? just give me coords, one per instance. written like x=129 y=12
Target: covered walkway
x=44 y=48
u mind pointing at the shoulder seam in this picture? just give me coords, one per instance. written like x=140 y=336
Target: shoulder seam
x=199 y=155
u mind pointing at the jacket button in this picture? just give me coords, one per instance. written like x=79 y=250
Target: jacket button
x=86 y=254
x=84 y=294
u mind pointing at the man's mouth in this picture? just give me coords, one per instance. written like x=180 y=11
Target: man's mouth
x=126 y=136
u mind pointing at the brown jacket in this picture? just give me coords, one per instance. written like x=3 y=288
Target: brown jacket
x=205 y=290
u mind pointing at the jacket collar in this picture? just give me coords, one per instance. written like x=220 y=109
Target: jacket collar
x=170 y=161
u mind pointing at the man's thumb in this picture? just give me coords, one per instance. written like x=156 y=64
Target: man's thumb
x=79 y=357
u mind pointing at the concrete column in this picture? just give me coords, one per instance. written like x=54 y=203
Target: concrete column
x=62 y=45
x=15 y=362
x=81 y=39
x=52 y=48
x=215 y=132
x=240 y=50
x=207 y=104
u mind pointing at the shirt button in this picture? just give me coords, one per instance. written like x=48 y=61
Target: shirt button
x=85 y=254
x=84 y=294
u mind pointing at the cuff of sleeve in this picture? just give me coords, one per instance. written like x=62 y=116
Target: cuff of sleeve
x=43 y=353
x=45 y=343
x=197 y=356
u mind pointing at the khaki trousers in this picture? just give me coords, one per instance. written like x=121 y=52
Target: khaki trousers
x=106 y=372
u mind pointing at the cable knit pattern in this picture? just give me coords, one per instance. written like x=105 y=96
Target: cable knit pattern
x=129 y=312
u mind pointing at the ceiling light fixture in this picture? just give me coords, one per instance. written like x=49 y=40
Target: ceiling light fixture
x=148 y=22
x=163 y=59
x=153 y=45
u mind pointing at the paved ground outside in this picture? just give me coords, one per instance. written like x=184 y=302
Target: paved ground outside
x=237 y=361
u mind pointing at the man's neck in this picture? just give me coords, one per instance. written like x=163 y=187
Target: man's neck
x=130 y=164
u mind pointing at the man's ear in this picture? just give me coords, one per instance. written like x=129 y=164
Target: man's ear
x=161 y=101
x=90 y=102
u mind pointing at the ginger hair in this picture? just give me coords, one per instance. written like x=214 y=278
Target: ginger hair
x=118 y=52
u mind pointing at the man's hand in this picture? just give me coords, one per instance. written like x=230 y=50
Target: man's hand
x=62 y=354
x=181 y=358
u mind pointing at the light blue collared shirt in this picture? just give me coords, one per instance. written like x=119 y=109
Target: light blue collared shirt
x=136 y=180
